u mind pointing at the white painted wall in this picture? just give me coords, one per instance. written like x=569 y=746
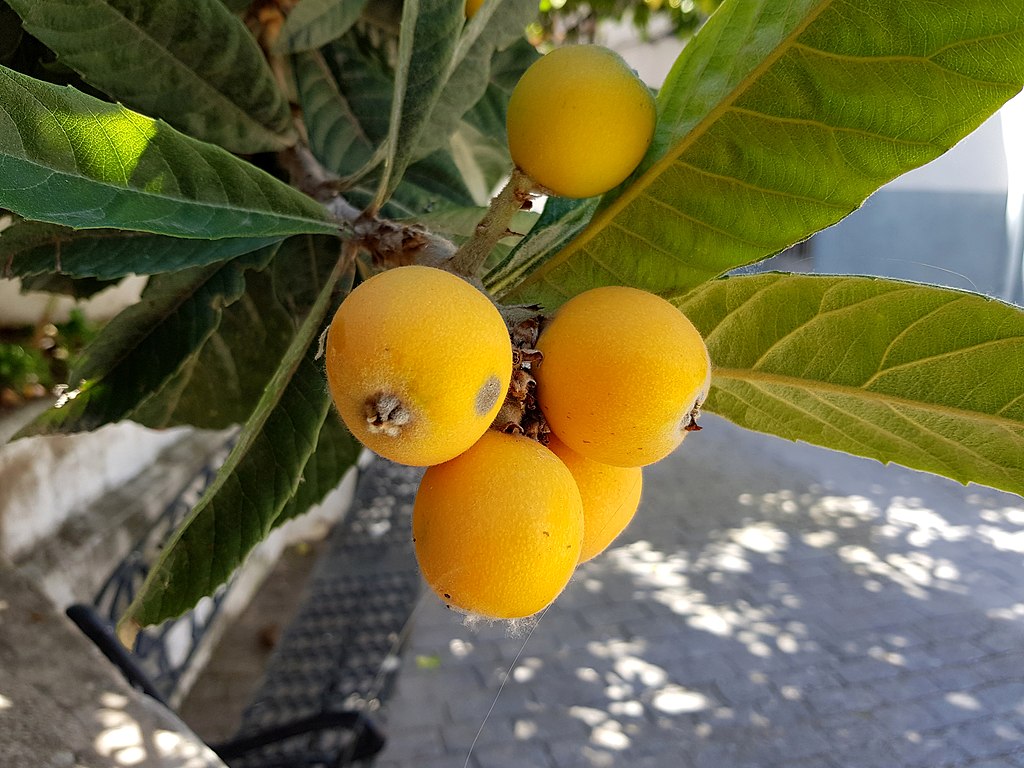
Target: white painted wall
x=18 y=308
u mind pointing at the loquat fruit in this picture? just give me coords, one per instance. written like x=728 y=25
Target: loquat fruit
x=622 y=377
x=579 y=121
x=610 y=496
x=418 y=362
x=498 y=529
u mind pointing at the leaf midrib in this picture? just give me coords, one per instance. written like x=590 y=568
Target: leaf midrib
x=746 y=375
x=950 y=469
x=641 y=184
x=274 y=215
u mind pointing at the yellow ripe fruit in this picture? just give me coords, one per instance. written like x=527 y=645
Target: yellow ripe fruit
x=472 y=6
x=418 y=362
x=579 y=121
x=498 y=529
x=610 y=497
x=622 y=374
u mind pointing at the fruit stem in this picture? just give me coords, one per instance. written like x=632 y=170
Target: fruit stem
x=493 y=226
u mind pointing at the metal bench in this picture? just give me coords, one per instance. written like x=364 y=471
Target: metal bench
x=334 y=662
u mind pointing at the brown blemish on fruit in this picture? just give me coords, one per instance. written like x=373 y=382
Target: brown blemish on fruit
x=385 y=414
x=487 y=396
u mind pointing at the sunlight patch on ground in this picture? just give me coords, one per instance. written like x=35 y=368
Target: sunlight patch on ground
x=664 y=578
x=527 y=669
x=1013 y=612
x=763 y=538
x=918 y=524
x=963 y=701
x=123 y=741
x=1004 y=541
x=677 y=700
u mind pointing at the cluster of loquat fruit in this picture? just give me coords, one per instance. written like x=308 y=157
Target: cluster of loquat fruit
x=533 y=429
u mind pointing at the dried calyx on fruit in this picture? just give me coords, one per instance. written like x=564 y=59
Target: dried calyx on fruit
x=520 y=413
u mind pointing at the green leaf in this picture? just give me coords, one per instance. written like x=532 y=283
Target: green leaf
x=147 y=344
x=365 y=81
x=562 y=220
x=778 y=120
x=480 y=142
x=495 y=26
x=35 y=248
x=461 y=223
x=75 y=287
x=314 y=23
x=506 y=68
x=336 y=137
x=426 y=46
x=220 y=384
x=255 y=483
x=213 y=84
x=926 y=377
x=430 y=184
x=336 y=452
x=67 y=158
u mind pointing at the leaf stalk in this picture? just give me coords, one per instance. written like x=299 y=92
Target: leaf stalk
x=468 y=260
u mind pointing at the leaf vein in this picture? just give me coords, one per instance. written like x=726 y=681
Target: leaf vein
x=815 y=317
x=758 y=188
x=835 y=128
x=1014 y=340
x=701 y=223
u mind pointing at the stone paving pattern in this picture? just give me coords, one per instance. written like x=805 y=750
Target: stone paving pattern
x=771 y=605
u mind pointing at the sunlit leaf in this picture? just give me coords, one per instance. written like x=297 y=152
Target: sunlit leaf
x=213 y=84
x=778 y=120
x=68 y=158
x=926 y=377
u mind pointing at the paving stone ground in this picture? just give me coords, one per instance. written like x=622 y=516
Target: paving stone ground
x=771 y=605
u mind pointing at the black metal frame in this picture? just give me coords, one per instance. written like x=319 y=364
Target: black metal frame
x=152 y=646
x=152 y=668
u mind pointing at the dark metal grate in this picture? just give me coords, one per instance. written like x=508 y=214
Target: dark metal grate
x=339 y=652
